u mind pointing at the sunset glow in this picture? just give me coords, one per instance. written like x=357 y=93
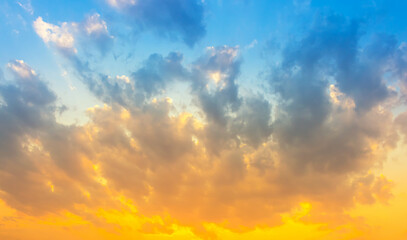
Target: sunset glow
x=203 y=119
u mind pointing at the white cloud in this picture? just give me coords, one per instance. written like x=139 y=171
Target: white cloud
x=61 y=36
x=121 y=3
x=95 y=26
x=26 y=6
x=69 y=35
x=21 y=69
x=123 y=78
x=252 y=44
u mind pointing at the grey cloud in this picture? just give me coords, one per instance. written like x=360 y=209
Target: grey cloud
x=332 y=48
x=401 y=122
x=400 y=68
x=253 y=121
x=151 y=157
x=218 y=98
x=148 y=81
x=158 y=71
x=309 y=151
x=28 y=127
x=216 y=103
x=312 y=132
x=363 y=77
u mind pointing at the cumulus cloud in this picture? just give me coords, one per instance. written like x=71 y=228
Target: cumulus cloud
x=158 y=71
x=162 y=162
x=358 y=74
x=26 y=115
x=178 y=19
x=314 y=129
x=238 y=163
x=215 y=82
x=253 y=121
x=316 y=134
x=60 y=36
x=68 y=36
x=212 y=80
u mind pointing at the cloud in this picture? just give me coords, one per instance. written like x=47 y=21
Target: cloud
x=121 y=3
x=60 y=36
x=177 y=19
x=235 y=162
x=95 y=26
x=26 y=114
x=252 y=44
x=215 y=82
x=370 y=189
x=158 y=71
x=253 y=121
x=21 y=69
x=67 y=37
x=401 y=124
x=317 y=148
x=164 y=164
x=95 y=32
x=26 y=5
x=400 y=66
x=314 y=129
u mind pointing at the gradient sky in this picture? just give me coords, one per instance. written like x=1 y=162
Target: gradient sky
x=203 y=119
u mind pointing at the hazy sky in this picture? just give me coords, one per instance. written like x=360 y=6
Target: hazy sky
x=203 y=119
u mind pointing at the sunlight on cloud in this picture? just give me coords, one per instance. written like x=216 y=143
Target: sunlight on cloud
x=21 y=69
x=60 y=36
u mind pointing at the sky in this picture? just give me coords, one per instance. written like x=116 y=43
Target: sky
x=203 y=119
